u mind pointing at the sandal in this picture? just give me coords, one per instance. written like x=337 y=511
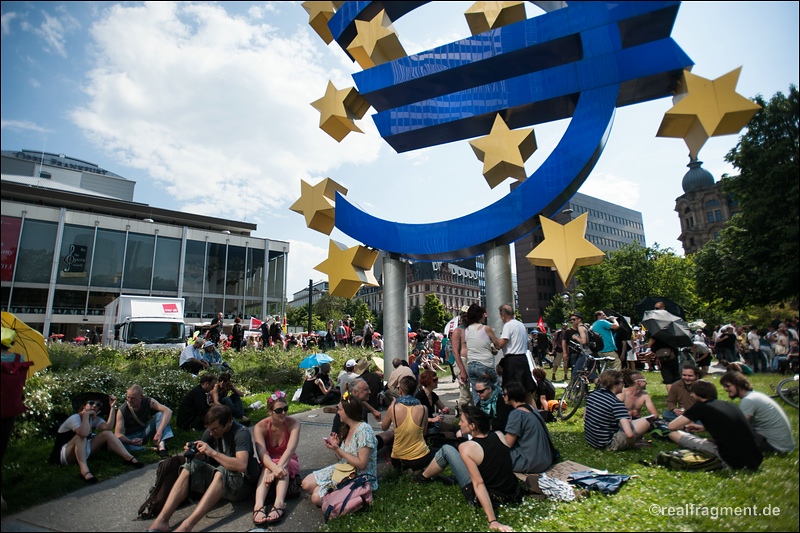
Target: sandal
x=91 y=480
x=134 y=463
x=260 y=523
x=280 y=511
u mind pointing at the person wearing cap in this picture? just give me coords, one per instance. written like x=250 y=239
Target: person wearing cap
x=347 y=375
x=192 y=359
x=76 y=439
x=213 y=358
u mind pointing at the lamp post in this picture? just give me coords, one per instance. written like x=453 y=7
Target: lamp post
x=571 y=297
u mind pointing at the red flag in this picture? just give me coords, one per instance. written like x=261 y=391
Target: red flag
x=255 y=323
x=540 y=325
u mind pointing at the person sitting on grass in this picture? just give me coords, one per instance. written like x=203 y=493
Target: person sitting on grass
x=141 y=419
x=354 y=445
x=526 y=432
x=226 y=393
x=733 y=440
x=196 y=403
x=226 y=469
x=607 y=423
x=213 y=358
x=635 y=395
x=410 y=420
x=482 y=467
x=428 y=381
x=276 y=438
x=76 y=439
x=192 y=359
x=490 y=401
x=318 y=388
x=545 y=390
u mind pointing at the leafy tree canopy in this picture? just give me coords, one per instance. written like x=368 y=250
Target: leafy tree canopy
x=755 y=260
x=434 y=316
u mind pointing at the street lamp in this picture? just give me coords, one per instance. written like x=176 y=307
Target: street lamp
x=570 y=298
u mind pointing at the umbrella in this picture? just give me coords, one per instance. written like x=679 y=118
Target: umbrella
x=378 y=362
x=412 y=335
x=451 y=326
x=376 y=334
x=697 y=324
x=409 y=326
x=668 y=328
x=79 y=339
x=625 y=332
x=649 y=302
x=57 y=336
x=28 y=343
x=315 y=359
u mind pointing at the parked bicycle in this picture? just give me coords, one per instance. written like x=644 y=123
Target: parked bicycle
x=578 y=386
x=787 y=390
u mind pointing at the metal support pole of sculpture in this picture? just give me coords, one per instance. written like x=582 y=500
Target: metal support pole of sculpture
x=395 y=313
x=499 y=290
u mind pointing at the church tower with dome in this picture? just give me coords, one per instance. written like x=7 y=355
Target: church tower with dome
x=703 y=208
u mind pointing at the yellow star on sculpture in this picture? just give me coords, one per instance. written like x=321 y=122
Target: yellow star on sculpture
x=485 y=16
x=319 y=13
x=348 y=268
x=504 y=152
x=565 y=248
x=339 y=109
x=706 y=108
x=317 y=203
x=376 y=42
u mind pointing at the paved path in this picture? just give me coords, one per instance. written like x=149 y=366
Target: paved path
x=112 y=504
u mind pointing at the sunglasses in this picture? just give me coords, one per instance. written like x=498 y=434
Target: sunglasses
x=94 y=403
x=280 y=410
x=480 y=391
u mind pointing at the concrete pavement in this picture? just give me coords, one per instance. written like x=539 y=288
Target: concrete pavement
x=112 y=504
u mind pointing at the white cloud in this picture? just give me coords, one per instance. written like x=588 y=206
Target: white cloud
x=54 y=30
x=215 y=107
x=303 y=257
x=5 y=22
x=22 y=125
x=611 y=188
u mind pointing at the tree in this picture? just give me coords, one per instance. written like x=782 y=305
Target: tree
x=330 y=307
x=633 y=272
x=297 y=316
x=416 y=318
x=434 y=316
x=755 y=260
x=557 y=313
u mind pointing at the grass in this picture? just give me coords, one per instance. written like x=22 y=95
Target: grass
x=401 y=505
x=655 y=499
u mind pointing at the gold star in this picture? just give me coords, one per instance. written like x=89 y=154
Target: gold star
x=339 y=110
x=504 y=152
x=706 y=108
x=317 y=203
x=348 y=268
x=485 y=16
x=565 y=247
x=376 y=42
x=319 y=14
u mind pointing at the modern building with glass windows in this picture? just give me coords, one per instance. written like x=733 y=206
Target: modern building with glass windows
x=69 y=250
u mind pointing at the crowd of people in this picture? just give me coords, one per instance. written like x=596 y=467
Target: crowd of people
x=500 y=428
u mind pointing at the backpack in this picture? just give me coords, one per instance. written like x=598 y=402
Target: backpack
x=349 y=497
x=274 y=329
x=166 y=476
x=594 y=341
x=689 y=460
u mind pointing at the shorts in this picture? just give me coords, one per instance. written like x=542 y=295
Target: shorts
x=64 y=461
x=620 y=441
x=235 y=486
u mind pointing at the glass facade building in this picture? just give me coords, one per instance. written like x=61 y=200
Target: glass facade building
x=65 y=256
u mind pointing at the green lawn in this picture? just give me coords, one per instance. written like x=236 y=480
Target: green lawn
x=655 y=499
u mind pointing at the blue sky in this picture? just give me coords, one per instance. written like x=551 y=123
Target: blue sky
x=207 y=107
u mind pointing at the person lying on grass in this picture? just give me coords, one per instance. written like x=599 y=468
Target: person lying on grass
x=482 y=466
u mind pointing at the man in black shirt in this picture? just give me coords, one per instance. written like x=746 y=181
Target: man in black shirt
x=734 y=442
x=196 y=403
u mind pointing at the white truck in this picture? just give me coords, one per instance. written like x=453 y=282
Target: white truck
x=155 y=321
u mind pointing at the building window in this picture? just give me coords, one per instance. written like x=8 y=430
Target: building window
x=710 y=216
x=139 y=261
x=35 y=254
x=718 y=215
x=167 y=265
x=76 y=255
x=107 y=266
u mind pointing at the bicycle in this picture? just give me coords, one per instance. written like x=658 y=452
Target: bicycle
x=578 y=386
x=787 y=391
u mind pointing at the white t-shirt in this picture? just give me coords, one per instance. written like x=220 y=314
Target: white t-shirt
x=74 y=422
x=768 y=420
x=517 y=336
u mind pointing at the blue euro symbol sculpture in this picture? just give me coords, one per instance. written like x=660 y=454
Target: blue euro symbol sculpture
x=582 y=61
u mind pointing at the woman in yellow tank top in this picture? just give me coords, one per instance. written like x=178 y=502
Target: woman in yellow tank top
x=410 y=420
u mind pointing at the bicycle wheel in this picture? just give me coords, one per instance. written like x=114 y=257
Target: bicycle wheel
x=788 y=391
x=572 y=398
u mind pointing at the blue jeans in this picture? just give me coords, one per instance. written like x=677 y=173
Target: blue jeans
x=474 y=371
x=448 y=455
x=147 y=433
x=756 y=357
x=235 y=403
